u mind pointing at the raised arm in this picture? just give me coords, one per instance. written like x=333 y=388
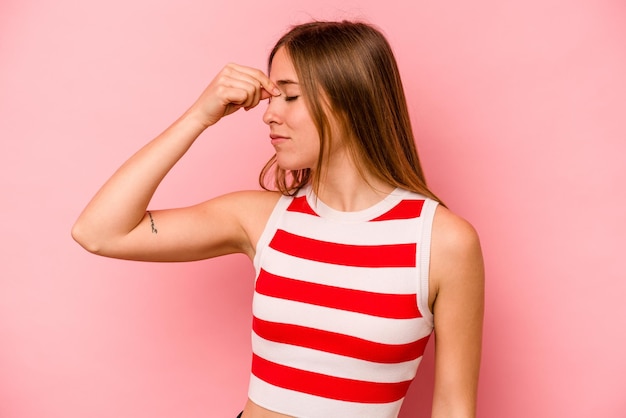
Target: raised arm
x=116 y=222
x=457 y=287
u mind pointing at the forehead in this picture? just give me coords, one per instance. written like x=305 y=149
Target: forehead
x=282 y=70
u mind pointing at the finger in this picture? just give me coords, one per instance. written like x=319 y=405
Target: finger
x=242 y=88
x=256 y=91
x=253 y=90
x=242 y=79
x=264 y=81
x=266 y=94
x=256 y=98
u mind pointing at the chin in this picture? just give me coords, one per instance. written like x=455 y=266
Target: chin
x=291 y=165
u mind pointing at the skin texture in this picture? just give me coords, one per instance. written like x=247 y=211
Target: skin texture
x=116 y=222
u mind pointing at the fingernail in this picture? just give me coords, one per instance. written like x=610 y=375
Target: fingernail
x=276 y=91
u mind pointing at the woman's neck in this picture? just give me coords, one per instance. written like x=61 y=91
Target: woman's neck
x=343 y=188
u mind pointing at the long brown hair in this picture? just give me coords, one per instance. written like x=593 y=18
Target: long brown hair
x=353 y=65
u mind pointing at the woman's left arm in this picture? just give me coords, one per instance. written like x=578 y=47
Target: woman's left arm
x=457 y=302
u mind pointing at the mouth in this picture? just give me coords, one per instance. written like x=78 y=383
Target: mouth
x=277 y=139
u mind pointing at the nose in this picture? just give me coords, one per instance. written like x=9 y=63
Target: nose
x=271 y=116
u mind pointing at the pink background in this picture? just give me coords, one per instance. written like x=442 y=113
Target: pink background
x=519 y=108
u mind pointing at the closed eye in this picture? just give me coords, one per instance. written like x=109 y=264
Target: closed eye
x=285 y=98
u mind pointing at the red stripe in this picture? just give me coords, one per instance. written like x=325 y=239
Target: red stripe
x=406 y=209
x=327 y=386
x=398 y=306
x=394 y=255
x=301 y=205
x=341 y=344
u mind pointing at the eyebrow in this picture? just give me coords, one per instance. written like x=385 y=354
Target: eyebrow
x=286 y=82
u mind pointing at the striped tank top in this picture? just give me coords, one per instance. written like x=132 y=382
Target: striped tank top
x=340 y=307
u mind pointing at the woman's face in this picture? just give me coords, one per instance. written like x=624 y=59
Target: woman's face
x=292 y=131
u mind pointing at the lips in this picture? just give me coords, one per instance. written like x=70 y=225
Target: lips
x=276 y=136
x=277 y=139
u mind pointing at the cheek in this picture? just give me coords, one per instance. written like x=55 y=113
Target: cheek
x=302 y=123
x=305 y=123
x=312 y=139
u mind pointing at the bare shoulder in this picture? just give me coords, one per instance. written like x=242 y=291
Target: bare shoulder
x=245 y=198
x=252 y=208
x=456 y=256
x=452 y=234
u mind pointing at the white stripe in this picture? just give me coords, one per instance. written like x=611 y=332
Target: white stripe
x=399 y=231
x=423 y=261
x=333 y=364
x=371 y=328
x=270 y=228
x=364 y=215
x=302 y=405
x=393 y=280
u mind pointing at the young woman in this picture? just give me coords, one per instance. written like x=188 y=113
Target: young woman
x=357 y=262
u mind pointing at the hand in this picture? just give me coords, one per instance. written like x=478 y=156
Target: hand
x=233 y=88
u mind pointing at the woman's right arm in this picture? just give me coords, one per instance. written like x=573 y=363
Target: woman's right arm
x=116 y=222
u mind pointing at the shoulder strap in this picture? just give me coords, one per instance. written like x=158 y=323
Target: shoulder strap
x=428 y=215
x=270 y=228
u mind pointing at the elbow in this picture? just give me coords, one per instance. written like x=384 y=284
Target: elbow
x=84 y=239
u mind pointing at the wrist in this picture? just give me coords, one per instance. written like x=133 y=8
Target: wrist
x=195 y=120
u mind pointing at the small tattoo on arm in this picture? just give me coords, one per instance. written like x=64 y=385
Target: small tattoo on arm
x=154 y=230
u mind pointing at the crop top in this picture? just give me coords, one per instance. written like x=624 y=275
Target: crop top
x=340 y=306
